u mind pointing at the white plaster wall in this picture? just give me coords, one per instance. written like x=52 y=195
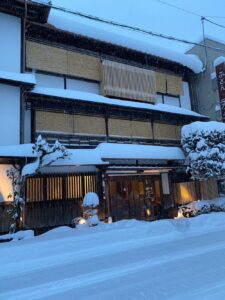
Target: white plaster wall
x=9 y=115
x=5 y=183
x=49 y=81
x=10 y=43
x=185 y=100
x=83 y=86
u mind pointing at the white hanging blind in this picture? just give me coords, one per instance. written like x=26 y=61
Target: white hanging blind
x=129 y=82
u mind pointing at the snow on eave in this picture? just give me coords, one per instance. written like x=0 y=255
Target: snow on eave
x=70 y=24
x=90 y=97
x=200 y=40
x=24 y=78
x=23 y=150
x=131 y=151
x=218 y=61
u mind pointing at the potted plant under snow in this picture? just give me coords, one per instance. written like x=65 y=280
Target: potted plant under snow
x=90 y=203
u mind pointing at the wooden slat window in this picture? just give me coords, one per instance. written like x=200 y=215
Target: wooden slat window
x=129 y=82
x=74 y=187
x=35 y=189
x=54 y=188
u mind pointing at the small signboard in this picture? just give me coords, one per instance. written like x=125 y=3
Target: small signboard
x=220 y=74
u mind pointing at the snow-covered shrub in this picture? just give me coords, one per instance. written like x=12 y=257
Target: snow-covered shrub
x=204 y=145
x=90 y=202
x=196 y=208
x=17 y=203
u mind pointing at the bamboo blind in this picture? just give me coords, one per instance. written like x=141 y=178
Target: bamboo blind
x=174 y=85
x=141 y=129
x=56 y=60
x=51 y=121
x=70 y=124
x=160 y=82
x=119 y=127
x=89 y=125
x=166 y=131
x=124 y=81
x=169 y=84
x=128 y=128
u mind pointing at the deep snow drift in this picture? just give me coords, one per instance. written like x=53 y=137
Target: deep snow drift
x=168 y=259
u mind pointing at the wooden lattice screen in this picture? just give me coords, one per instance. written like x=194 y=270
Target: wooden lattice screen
x=54 y=200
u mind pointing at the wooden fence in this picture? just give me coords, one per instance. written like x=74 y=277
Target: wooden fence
x=186 y=192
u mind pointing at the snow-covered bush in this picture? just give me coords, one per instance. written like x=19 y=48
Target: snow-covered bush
x=17 y=201
x=204 y=145
x=90 y=202
x=196 y=208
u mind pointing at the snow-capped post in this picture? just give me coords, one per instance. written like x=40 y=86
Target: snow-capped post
x=90 y=202
x=46 y=155
x=204 y=146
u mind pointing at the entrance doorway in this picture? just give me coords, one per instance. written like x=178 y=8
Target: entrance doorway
x=137 y=197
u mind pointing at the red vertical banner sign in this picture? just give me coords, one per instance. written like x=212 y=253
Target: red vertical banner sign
x=220 y=74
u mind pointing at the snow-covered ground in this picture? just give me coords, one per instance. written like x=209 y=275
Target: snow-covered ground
x=168 y=259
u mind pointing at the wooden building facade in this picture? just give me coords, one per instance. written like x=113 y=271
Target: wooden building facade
x=88 y=93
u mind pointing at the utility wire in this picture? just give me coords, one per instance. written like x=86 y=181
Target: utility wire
x=179 y=8
x=125 y=26
x=214 y=23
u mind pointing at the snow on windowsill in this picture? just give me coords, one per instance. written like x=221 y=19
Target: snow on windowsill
x=90 y=97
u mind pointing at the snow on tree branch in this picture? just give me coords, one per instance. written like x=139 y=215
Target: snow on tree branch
x=204 y=145
x=46 y=155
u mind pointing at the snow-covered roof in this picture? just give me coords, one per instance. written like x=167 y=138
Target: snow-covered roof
x=102 y=152
x=219 y=60
x=131 y=151
x=23 y=78
x=198 y=127
x=23 y=150
x=90 y=97
x=122 y=38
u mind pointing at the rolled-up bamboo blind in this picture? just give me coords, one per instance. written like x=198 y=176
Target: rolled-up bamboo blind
x=129 y=82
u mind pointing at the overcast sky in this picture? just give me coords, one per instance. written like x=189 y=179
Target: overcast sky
x=155 y=16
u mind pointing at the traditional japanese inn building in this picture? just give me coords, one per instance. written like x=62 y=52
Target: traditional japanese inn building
x=117 y=105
